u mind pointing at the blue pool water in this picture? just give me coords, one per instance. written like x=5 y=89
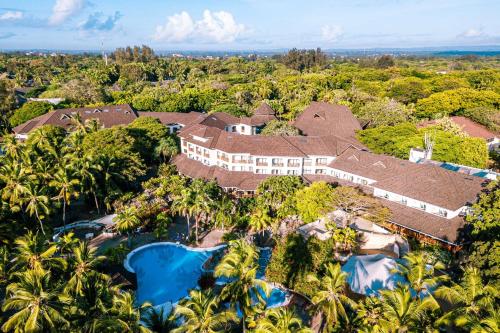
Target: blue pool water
x=166 y=272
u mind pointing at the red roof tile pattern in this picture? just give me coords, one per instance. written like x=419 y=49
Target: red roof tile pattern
x=324 y=119
x=427 y=183
x=108 y=116
x=468 y=126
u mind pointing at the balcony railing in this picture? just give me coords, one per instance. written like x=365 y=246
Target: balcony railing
x=307 y=164
x=293 y=165
x=278 y=164
x=241 y=160
x=262 y=164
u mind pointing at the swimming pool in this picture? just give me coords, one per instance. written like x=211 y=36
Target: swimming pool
x=167 y=271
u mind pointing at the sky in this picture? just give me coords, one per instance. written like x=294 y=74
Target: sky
x=247 y=24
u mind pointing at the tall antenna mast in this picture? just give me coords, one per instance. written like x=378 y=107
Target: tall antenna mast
x=104 y=55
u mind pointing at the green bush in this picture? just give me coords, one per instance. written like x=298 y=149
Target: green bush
x=29 y=111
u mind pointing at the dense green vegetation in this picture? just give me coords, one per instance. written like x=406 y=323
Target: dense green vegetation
x=56 y=177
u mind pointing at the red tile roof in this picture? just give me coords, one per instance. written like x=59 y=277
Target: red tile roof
x=324 y=119
x=468 y=126
x=109 y=115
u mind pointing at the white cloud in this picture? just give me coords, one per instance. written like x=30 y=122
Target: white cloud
x=218 y=27
x=331 y=33
x=473 y=33
x=99 y=22
x=11 y=15
x=64 y=9
x=178 y=28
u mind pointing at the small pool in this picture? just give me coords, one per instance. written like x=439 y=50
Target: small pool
x=167 y=271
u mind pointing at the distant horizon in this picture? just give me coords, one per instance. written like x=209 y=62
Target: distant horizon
x=245 y=25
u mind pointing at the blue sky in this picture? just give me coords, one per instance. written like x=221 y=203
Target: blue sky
x=247 y=24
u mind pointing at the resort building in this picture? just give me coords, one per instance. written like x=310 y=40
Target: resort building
x=425 y=199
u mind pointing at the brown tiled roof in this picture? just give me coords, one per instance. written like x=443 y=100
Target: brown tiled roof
x=167 y=118
x=448 y=230
x=468 y=126
x=299 y=146
x=245 y=181
x=109 y=115
x=324 y=119
x=428 y=183
x=264 y=110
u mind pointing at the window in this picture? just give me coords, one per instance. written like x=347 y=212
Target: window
x=423 y=206
x=243 y=129
x=262 y=161
x=321 y=161
x=307 y=161
x=259 y=171
x=443 y=212
x=307 y=171
x=404 y=201
x=386 y=195
x=320 y=172
x=233 y=129
x=277 y=161
x=275 y=172
x=293 y=172
x=364 y=182
x=293 y=162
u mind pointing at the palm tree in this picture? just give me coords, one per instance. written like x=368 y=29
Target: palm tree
x=67 y=243
x=83 y=263
x=280 y=320
x=490 y=323
x=158 y=321
x=38 y=308
x=4 y=263
x=11 y=147
x=183 y=205
x=470 y=298
x=330 y=299
x=226 y=210
x=420 y=272
x=201 y=209
x=67 y=186
x=35 y=253
x=244 y=290
x=126 y=221
x=15 y=176
x=401 y=312
x=126 y=315
x=86 y=169
x=260 y=220
x=200 y=314
x=36 y=202
x=166 y=149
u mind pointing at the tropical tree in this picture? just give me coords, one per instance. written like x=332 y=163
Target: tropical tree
x=163 y=220
x=36 y=202
x=37 y=307
x=402 y=313
x=244 y=290
x=226 y=210
x=127 y=221
x=471 y=299
x=82 y=263
x=126 y=315
x=418 y=269
x=35 y=253
x=201 y=313
x=330 y=300
x=280 y=320
x=260 y=220
x=166 y=149
x=67 y=186
x=183 y=205
x=157 y=320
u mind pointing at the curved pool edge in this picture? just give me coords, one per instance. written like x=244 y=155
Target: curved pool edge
x=126 y=262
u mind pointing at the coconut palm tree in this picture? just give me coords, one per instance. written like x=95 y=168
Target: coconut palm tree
x=11 y=147
x=67 y=186
x=166 y=149
x=183 y=204
x=36 y=202
x=260 y=220
x=330 y=299
x=37 y=307
x=127 y=221
x=4 y=265
x=83 y=263
x=490 y=323
x=226 y=210
x=158 y=321
x=418 y=269
x=280 y=320
x=67 y=243
x=244 y=289
x=470 y=298
x=86 y=170
x=200 y=313
x=126 y=315
x=15 y=176
x=35 y=253
x=401 y=312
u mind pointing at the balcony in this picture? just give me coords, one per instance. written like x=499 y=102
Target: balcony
x=278 y=164
x=241 y=160
x=206 y=155
x=261 y=163
x=224 y=158
x=293 y=165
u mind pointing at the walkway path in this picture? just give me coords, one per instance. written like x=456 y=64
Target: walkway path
x=213 y=238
